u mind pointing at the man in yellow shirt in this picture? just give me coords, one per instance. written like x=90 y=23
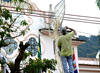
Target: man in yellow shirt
x=66 y=51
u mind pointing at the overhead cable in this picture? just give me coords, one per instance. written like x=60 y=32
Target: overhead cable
x=35 y=15
x=28 y=9
x=38 y=14
x=83 y=21
x=53 y=12
x=83 y=16
x=53 y=17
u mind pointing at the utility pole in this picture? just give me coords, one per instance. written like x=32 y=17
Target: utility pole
x=56 y=35
x=50 y=18
x=59 y=14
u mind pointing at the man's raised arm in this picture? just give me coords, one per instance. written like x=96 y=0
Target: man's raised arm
x=70 y=29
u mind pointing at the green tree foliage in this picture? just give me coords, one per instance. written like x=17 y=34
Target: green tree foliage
x=35 y=66
x=19 y=4
x=26 y=55
x=98 y=3
x=7 y=27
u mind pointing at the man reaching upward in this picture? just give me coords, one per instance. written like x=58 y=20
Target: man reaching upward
x=66 y=51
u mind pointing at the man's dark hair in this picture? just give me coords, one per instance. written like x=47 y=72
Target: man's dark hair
x=63 y=31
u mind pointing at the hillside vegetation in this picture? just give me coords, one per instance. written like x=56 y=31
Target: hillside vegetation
x=90 y=48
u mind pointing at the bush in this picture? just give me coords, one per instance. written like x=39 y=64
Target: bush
x=37 y=65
